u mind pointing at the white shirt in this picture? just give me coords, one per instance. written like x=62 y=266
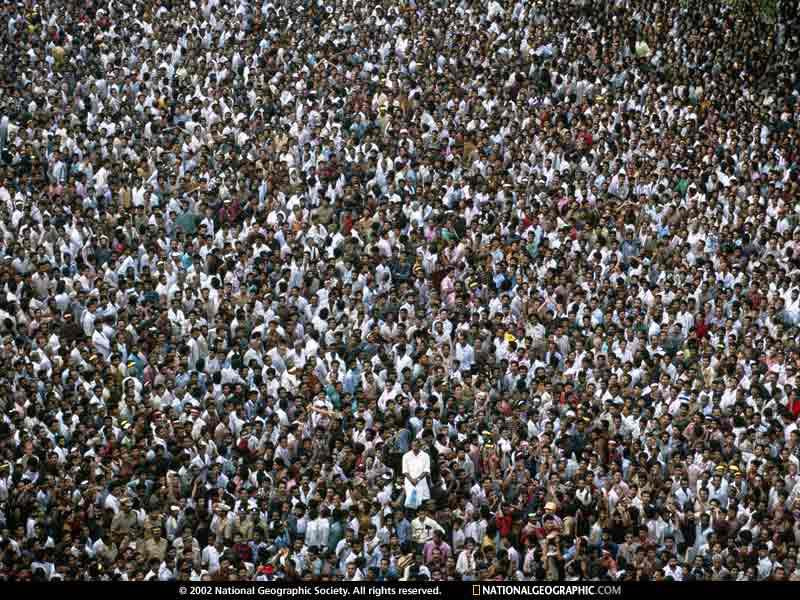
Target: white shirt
x=210 y=556
x=415 y=465
x=317 y=532
x=112 y=503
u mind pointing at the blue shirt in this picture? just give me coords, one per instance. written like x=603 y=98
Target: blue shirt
x=404 y=530
x=335 y=535
x=351 y=381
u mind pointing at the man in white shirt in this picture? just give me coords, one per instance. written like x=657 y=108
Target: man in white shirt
x=211 y=554
x=416 y=470
x=317 y=530
x=673 y=569
x=100 y=341
x=764 y=563
x=111 y=501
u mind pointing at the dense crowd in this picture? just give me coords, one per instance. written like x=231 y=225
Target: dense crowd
x=399 y=290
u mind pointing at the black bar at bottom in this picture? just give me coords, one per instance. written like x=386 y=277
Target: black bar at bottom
x=444 y=590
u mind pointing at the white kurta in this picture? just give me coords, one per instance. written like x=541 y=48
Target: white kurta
x=101 y=344
x=415 y=465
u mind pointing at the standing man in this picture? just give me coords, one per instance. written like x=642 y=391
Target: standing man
x=416 y=470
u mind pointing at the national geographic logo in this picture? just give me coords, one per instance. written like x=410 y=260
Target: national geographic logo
x=545 y=590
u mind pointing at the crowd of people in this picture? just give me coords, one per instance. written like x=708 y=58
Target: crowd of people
x=337 y=290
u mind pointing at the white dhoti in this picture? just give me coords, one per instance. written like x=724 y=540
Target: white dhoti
x=422 y=489
x=417 y=466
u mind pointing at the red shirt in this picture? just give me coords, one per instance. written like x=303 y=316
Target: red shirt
x=243 y=551
x=794 y=406
x=503 y=525
x=701 y=329
x=347 y=224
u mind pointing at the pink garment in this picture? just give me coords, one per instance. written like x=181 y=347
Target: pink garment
x=448 y=291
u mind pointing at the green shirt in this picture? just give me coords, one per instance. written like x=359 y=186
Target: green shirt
x=187 y=222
